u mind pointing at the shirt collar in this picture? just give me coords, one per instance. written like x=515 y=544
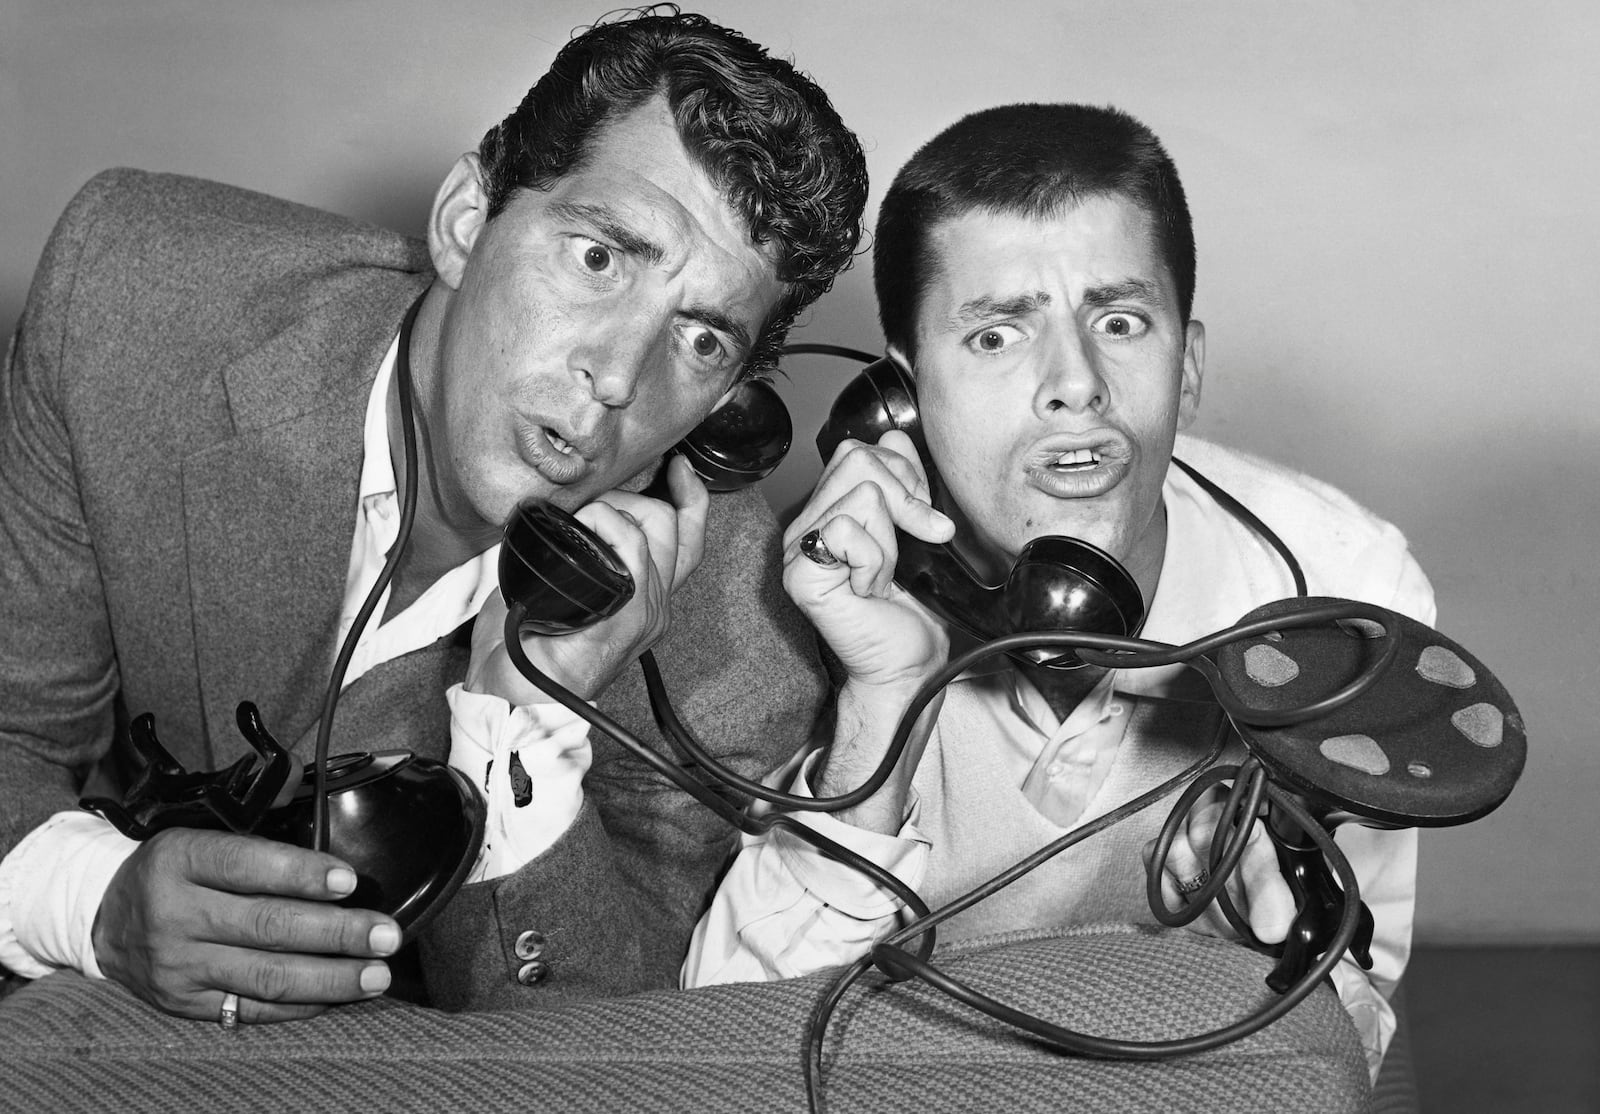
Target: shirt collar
x=377 y=467
x=1201 y=590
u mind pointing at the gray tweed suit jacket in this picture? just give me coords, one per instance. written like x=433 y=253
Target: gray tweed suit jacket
x=180 y=443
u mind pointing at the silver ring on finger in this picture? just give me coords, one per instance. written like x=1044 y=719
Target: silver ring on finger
x=1195 y=884
x=815 y=550
x=229 y=1017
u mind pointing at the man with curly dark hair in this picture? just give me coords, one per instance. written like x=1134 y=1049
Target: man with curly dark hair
x=204 y=391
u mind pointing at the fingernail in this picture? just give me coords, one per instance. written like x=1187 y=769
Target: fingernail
x=375 y=978
x=341 y=881
x=384 y=938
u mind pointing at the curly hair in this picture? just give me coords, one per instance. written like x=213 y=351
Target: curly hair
x=764 y=133
x=1031 y=160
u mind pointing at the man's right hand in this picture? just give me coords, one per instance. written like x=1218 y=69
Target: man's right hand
x=888 y=643
x=192 y=915
x=881 y=635
x=661 y=543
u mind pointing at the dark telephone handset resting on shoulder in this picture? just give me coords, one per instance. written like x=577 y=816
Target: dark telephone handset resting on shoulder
x=1057 y=583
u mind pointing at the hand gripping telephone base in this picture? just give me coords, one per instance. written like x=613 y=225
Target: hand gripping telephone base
x=408 y=826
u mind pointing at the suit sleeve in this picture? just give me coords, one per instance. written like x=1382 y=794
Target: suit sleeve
x=58 y=674
x=609 y=908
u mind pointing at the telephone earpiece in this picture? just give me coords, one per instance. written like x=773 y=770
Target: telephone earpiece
x=1057 y=583
x=567 y=578
x=741 y=441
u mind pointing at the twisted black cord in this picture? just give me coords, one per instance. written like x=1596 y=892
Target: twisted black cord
x=408 y=514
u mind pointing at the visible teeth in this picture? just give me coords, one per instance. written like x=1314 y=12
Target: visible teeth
x=1076 y=457
x=557 y=443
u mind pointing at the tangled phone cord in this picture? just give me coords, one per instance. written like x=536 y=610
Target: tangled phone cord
x=1107 y=651
x=708 y=796
x=1107 y=1048
x=1251 y=784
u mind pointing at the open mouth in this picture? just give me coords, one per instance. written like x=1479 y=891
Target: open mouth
x=1078 y=471
x=1076 y=460
x=551 y=454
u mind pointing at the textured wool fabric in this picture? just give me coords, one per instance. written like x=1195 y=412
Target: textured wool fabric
x=73 y=1045
x=180 y=451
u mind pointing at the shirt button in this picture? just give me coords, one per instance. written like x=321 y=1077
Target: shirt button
x=1115 y=709
x=1055 y=769
x=530 y=945
x=533 y=972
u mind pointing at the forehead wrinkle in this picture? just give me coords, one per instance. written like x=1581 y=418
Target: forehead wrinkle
x=987 y=307
x=609 y=223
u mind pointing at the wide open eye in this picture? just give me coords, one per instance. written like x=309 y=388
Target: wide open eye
x=1121 y=325
x=597 y=258
x=994 y=338
x=705 y=345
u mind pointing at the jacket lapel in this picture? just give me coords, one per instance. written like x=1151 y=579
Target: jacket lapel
x=269 y=513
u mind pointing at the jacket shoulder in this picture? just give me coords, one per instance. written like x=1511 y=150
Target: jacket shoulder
x=174 y=220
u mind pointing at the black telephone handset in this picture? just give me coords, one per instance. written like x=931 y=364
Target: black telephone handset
x=567 y=578
x=1057 y=583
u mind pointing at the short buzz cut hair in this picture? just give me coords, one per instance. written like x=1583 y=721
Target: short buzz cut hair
x=765 y=134
x=1031 y=160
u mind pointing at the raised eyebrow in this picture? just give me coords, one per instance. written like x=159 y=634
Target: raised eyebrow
x=722 y=323
x=604 y=220
x=1129 y=290
x=985 y=308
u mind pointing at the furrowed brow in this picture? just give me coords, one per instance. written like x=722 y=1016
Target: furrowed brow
x=1131 y=290
x=611 y=227
x=985 y=308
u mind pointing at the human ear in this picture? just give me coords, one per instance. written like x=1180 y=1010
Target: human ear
x=1194 y=366
x=460 y=210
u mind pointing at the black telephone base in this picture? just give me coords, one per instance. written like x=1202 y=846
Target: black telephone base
x=409 y=827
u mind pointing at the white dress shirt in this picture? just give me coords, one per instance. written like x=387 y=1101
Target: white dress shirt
x=52 y=882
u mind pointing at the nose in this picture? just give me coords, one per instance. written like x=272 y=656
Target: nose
x=1070 y=379
x=610 y=362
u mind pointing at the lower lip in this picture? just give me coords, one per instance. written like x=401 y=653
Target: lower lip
x=1078 y=483
x=533 y=445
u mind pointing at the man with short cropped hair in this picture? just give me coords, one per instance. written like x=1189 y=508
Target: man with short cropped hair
x=201 y=471
x=1035 y=271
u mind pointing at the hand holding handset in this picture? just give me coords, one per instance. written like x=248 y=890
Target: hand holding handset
x=1057 y=583
x=567 y=578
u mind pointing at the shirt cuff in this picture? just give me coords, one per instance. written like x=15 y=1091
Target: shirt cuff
x=51 y=886
x=1371 y=1013
x=904 y=854
x=529 y=762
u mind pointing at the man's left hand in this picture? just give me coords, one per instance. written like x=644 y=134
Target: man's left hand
x=1256 y=887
